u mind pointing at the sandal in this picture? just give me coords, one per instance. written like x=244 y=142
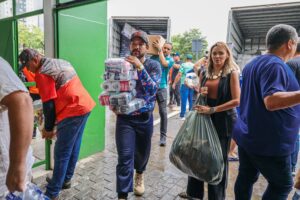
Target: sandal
x=231 y=158
x=184 y=195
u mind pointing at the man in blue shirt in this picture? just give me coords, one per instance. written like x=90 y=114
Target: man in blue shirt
x=134 y=131
x=166 y=62
x=267 y=129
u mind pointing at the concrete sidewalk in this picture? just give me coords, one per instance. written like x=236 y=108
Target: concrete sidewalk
x=95 y=175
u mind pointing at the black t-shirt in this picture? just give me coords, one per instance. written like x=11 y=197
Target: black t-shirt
x=175 y=72
x=294 y=64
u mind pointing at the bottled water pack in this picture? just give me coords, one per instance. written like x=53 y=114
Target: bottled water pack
x=32 y=192
x=119 y=86
x=134 y=105
x=122 y=98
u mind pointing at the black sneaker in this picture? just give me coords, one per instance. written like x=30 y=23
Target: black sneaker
x=66 y=185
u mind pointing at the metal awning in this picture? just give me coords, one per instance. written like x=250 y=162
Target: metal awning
x=151 y=25
x=255 y=21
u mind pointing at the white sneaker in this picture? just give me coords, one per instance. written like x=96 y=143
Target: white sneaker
x=139 y=187
x=182 y=118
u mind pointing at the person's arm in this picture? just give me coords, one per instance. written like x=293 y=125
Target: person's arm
x=177 y=78
x=50 y=116
x=20 y=113
x=274 y=92
x=47 y=90
x=176 y=66
x=281 y=100
x=162 y=58
x=161 y=55
x=170 y=76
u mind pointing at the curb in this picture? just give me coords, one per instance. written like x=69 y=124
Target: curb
x=171 y=114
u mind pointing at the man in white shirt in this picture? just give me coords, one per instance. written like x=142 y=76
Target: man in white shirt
x=16 y=126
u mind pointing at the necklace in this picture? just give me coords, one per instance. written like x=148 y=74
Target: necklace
x=216 y=76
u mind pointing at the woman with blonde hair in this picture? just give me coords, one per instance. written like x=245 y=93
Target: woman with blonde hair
x=220 y=84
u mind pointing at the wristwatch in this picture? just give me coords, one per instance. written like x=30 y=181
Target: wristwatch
x=140 y=68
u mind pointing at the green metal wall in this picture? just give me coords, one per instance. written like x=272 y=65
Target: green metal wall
x=7 y=41
x=82 y=40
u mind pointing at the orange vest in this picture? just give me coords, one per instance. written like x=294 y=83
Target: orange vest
x=30 y=78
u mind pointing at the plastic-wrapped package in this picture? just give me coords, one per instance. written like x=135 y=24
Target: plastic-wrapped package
x=117 y=65
x=127 y=30
x=104 y=99
x=122 y=98
x=37 y=105
x=32 y=192
x=116 y=76
x=124 y=48
x=191 y=80
x=196 y=149
x=119 y=86
x=127 y=85
x=134 y=105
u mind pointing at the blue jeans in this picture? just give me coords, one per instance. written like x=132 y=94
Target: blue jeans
x=186 y=95
x=276 y=169
x=133 y=141
x=294 y=156
x=66 y=152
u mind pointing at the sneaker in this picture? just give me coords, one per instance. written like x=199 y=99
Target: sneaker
x=162 y=141
x=296 y=196
x=293 y=171
x=66 y=184
x=182 y=118
x=139 y=187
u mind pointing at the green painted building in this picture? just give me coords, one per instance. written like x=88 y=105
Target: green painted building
x=74 y=30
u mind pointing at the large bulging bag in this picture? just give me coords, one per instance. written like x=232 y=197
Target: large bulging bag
x=196 y=150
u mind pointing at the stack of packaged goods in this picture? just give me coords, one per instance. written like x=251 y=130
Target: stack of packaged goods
x=119 y=87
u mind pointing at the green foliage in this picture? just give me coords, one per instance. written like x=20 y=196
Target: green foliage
x=182 y=43
x=30 y=37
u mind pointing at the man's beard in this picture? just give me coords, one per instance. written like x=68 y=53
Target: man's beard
x=138 y=54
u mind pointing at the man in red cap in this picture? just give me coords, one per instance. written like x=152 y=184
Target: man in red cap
x=67 y=105
x=134 y=131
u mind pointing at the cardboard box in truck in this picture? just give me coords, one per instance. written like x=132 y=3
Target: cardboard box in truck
x=119 y=42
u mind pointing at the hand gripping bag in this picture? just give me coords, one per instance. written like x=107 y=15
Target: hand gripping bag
x=196 y=149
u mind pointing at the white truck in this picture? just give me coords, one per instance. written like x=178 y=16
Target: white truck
x=151 y=25
x=248 y=26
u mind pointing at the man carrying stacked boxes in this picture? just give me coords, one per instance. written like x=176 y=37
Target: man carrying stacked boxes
x=134 y=129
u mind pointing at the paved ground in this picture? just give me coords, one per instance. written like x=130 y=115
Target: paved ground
x=95 y=176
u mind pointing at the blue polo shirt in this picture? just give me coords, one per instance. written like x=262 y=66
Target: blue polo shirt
x=259 y=131
x=164 y=70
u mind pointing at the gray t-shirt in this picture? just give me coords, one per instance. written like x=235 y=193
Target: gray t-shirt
x=294 y=64
x=9 y=83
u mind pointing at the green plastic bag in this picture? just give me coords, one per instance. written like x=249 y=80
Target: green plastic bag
x=196 y=150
